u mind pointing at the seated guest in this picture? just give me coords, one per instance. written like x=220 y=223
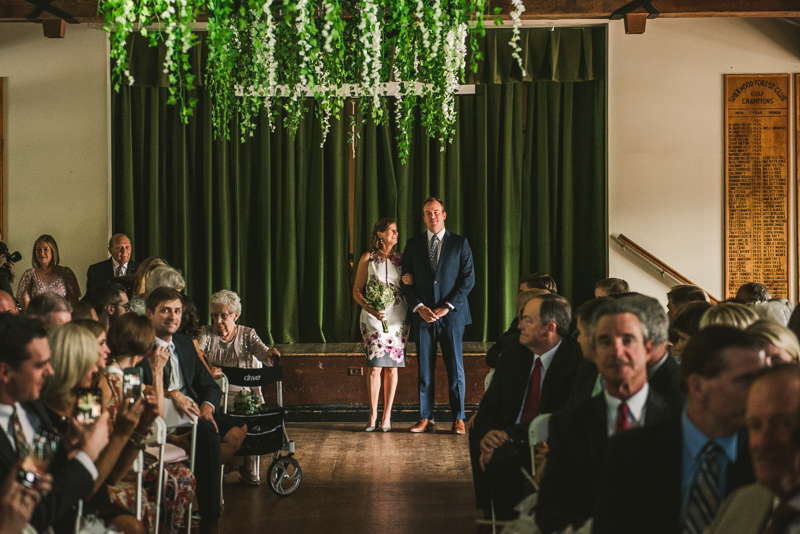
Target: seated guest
x=511 y=336
x=131 y=340
x=227 y=344
x=662 y=368
x=686 y=324
x=683 y=294
x=588 y=382
x=193 y=391
x=99 y=332
x=752 y=292
x=143 y=273
x=162 y=276
x=51 y=309
x=7 y=303
x=627 y=332
x=118 y=265
x=538 y=281
x=8 y=271
x=47 y=275
x=110 y=302
x=532 y=378
x=778 y=342
x=24 y=367
x=611 y=286
x=729 y=314
x=74 y=361
x=772 y=424
x=777 y=309
x=83 y=310
x=655 y=478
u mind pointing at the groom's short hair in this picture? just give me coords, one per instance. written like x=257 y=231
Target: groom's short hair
x=433 y=199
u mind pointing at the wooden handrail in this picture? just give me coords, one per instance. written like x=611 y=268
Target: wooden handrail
x=625 y=241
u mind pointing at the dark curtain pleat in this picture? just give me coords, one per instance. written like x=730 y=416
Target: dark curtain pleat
x=267 y=218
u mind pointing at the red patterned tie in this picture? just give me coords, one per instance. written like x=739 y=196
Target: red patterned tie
x=622 y=419
x=531 y=409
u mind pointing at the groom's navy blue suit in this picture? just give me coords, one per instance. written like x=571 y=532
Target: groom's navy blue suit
x=450 y=284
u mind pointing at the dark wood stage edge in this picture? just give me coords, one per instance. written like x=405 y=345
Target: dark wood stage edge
x=327 y=382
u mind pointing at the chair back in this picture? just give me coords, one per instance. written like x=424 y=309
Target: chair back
x=252 y=378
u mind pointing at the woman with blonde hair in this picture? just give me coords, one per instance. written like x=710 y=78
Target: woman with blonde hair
x=47 y=275
x=74 y=355
x=778 y=342
x=729 y=314
x=143 y=272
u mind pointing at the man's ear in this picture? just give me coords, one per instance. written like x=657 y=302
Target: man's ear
x=148 y=312
x=695 y=385
x=5 y=372
x=551 y=328
x=110 y=310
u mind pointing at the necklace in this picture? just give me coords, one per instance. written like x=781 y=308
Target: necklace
x=385 y=254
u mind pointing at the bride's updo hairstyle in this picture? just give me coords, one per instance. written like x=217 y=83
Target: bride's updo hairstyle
x=375 y=242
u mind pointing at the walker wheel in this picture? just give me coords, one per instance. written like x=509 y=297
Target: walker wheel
x=285 y=476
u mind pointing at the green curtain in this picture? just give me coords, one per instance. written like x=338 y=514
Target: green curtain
x=267 y=218
x=528 y=198
x=524 y=179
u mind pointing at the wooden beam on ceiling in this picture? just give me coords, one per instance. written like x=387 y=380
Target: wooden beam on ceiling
x=87 y=10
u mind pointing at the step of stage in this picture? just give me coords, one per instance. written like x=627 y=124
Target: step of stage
x=326 y=382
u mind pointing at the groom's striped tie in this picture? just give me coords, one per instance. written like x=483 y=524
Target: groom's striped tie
x=434 y=249
x=704 y=496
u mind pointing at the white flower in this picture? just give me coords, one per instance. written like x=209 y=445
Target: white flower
x=519 y=8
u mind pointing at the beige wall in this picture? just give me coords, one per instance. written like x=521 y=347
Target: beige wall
x=57 y=132
x=666 y=138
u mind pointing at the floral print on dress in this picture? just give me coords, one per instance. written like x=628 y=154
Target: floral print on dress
x=390 y=346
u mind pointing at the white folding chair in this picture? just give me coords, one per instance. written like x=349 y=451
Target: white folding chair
x=538 y=431
x=166 y=453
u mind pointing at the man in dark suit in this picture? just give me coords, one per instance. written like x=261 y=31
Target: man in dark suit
x=24 y=366
x=119 y=264
x=193 y=391
x=531 y=379
x=670 y=478
x=626 y=332
x=441 y=264
x=772 y=423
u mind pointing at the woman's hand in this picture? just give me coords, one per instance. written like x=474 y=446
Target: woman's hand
x=158 y=358
x=408 y=279
x=273 y=352
x=17 y=502
x=216 y=372
x=128 y=415
x=380 y=315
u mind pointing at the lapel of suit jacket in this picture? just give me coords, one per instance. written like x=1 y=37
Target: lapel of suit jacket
x=740 y=472
x=524 y=365
x=657 y=409
x=597 y=427
x=553 y=376
x=185 y=361
x=109 y=269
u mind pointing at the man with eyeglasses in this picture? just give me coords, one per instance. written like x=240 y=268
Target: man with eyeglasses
x=110 y=301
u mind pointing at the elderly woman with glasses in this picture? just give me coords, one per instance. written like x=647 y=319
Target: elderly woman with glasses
x=227 y=344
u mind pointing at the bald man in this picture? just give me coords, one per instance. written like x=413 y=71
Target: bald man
x=7 y=304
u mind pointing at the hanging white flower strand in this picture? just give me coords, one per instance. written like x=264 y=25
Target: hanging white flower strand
x=329 y=96
x=265 y=59
x=371 y=68
x=120 y=17
x=455 y=50
x=519 y=8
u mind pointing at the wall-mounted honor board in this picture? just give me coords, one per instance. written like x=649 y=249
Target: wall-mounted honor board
x=757 y=182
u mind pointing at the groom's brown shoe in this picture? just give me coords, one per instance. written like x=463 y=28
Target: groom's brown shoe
x=423 y=426
x=458 y=427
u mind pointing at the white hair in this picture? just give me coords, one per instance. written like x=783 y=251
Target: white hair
x=227 y=298
x=777 y=309
x=165 y=276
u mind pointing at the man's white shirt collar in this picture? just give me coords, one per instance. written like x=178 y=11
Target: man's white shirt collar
x=440 y=235
x=547 y=357
x=636 y=408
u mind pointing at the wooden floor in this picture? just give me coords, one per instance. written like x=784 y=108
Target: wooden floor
x=356 y=482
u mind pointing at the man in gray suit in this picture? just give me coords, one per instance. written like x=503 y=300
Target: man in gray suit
x=772 y=504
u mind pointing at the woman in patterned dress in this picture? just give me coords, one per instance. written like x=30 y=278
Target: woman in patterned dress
x=130 y=338
x=227 y=344
x=47 y=276
x=381 y=265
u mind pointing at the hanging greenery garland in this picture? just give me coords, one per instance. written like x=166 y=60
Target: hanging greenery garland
x=264 y=53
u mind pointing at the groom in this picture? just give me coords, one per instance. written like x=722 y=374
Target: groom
x=441 y=264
